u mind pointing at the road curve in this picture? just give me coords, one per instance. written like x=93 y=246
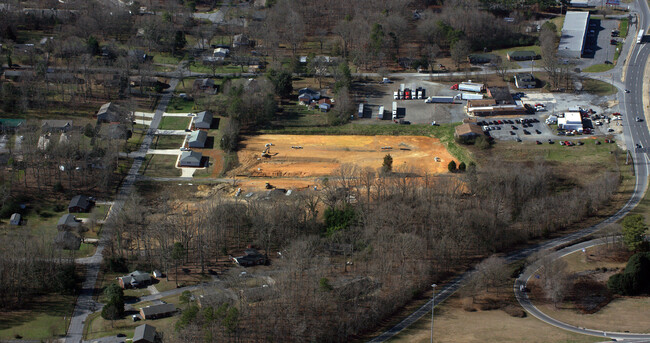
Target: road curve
x=525 y=302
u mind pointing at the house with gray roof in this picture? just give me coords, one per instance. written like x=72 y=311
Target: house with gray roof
x=134 y=280
x=145 y=334
x=203 y=120
x=157 y=311
x=67 y=240
x=190 y=159
x=56 y=125
x=112 y=113
x=197 y=139
x=68 y=222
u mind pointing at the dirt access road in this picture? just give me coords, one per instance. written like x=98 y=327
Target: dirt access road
x=317 y=156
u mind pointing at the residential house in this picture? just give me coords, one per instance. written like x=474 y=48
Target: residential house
x=68 y=222
x=157 y=311
x=241 y=40
x=13 y=75
x=145 y=334
x=197 y=139
x=112 y=113
x=482 y=58
x=80 y=204
x=203 y=120
x=251 y=257
x=525 y=80
x=468 y=132
x=56 y=125
x=139 y=56
x=306 y=93
x=10 y=124
x=134 y=280
x=523 y=55
x=143 y=81
x=221 y=53
x=190 y=159
x=204 y=85
x=67 y=240
x=15 y=219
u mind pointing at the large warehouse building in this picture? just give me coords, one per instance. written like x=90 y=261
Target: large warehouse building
x=574 y=34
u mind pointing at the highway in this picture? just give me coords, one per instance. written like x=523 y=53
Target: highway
x=631 y=105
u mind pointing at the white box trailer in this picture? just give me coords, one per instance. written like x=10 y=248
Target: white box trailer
x=439 y=100
x=394 y=109
x=380 y=113
x=360 y=114
x=471 y=96
x=471 y=87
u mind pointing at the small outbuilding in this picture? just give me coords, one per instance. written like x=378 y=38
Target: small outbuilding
x=15 y=219
x=68 y=222
x=251 y=257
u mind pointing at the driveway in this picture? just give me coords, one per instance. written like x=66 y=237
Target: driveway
x=171 y=132
x=214 y=17
x=188 y=114
x=164 y=152
x=144 y=114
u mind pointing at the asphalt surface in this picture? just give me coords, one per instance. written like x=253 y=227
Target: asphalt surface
x=85 y=304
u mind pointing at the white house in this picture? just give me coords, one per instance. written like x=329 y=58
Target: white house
x=190 y=159
x=571 y=121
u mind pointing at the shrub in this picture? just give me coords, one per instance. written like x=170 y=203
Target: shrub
x=634 y=279
x=452 y=166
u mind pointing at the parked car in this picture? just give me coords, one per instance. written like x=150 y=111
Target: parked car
x=550 y=141
x=512 y=133
x=638 y=119
x=538 y=142
x=538 y=132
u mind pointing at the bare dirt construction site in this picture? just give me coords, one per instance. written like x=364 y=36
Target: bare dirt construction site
x=303 y=156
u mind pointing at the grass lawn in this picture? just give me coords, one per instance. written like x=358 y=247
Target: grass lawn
x=39 y=219
x=228 y=68
x=579 y=154
x=504 y=52
x=160 y=166
x=623 y=27
x=451 y=324
x=617 y=53
x=598 y=87
x=597 y=68
x=178 y=105
x=174 y=123
x=48 y=317
x=166 y=58
x=97 y=327
x=167 y=142
x=579 y=261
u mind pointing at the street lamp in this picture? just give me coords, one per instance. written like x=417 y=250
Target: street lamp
x=433 y=303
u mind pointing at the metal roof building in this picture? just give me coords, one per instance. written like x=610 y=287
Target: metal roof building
x=574 y=33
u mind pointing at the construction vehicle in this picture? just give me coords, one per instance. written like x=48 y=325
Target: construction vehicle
x=267 y=150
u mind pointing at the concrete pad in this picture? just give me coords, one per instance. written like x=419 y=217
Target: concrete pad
x=178 y=114
x=164 y=152
x=144 y=114
x=187 y=172
x=171 y=132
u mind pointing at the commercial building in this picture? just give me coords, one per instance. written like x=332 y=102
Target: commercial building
x=525 y=80
x=574 y=34
x=571 y=121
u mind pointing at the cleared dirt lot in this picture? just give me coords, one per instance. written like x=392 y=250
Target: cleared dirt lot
x=323 y=155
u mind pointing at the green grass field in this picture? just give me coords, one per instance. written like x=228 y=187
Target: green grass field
x=167 y=142
x=47 y=318
x=178 y=105
x=597 y=68
x=598 y=87
x=160 y=166
x=174 y=123
x=623 y=27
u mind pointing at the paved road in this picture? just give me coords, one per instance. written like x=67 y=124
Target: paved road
x=85 y=304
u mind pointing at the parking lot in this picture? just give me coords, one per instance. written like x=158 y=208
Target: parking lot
x=598 y=49
x=518 y=129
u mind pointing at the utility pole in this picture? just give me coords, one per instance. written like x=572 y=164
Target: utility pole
x=433 y=303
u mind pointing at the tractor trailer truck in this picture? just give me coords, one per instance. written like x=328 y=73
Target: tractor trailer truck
x=439 y=100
